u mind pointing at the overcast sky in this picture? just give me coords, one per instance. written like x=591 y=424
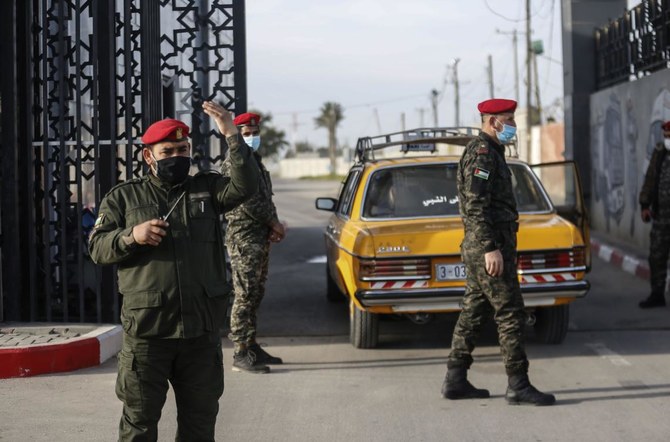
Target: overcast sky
x=383 y=57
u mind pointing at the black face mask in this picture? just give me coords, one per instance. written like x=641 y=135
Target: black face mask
x=173 y=170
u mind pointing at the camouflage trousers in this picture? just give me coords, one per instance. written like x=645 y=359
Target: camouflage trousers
x=249 y=262
x=193 y=366
x=659 y=252
x=487 y=297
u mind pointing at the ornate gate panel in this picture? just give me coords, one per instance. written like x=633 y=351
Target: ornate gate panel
x=90 y=75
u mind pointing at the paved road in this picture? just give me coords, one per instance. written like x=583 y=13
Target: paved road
x=611 y=374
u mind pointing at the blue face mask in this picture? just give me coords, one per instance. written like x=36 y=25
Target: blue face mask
x=506 y=134
x=253 y=141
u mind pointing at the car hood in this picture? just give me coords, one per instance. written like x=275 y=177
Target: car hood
x=443 y=236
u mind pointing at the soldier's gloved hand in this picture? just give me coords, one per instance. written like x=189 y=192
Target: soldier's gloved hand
x=494 y=263
x=223 y=118
x=150 y=232
x=646 y=215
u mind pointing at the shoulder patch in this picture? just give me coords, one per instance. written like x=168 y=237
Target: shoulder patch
x=482 y=173
x=483 y=150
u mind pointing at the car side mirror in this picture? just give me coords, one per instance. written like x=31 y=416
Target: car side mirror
x=327 y=204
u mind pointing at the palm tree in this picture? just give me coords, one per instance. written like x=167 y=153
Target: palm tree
x=331 y=115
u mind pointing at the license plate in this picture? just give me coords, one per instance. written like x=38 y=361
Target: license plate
x=450 y=272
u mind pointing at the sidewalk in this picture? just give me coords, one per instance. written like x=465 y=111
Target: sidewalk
x=620 y=255
x=32 y=349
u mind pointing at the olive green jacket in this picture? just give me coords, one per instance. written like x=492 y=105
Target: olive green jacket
x=485 y=193
x=177 y=289
x=254 y=216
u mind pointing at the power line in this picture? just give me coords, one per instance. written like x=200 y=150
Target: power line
x=514 y=20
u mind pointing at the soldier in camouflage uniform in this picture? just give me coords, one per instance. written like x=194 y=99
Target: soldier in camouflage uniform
x=163 y=233
x=252 y=226
x=488 y=208
x=655 y=205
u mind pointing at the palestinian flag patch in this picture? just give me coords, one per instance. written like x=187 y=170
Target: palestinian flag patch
x=482 y=173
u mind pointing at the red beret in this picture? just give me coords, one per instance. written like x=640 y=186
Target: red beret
x=497 y=106
x=247 y=119
x=666 y=125
x=165 y=130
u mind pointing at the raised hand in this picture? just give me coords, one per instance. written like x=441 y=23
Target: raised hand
x=223 y=118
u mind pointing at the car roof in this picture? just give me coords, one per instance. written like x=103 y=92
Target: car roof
x=424 y=159
x=428 y=143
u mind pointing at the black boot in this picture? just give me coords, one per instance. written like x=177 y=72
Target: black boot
x=654 y=300
x=521 y=392
x=456 y=386
x=244 y=359
x=263 y=357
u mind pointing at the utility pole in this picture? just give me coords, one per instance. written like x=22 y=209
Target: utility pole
x=457 y=99
x=434 y=94
x=537 y=89
x=529 y=54
x=294 y=131
x=490 y=72
x=421 y=111
x=515 y=43
x=402 y=121
x=379 y=125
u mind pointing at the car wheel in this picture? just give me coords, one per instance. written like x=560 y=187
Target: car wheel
x=551 y=324
x=333 y=293
x=363 y=327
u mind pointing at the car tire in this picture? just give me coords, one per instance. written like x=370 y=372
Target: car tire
x=363 y=327
x=333 y=293
x=551 y=323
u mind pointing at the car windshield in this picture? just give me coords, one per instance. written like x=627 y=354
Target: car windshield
x=430 y=191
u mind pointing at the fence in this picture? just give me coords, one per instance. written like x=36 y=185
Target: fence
x=633 y=45
x=82 y=79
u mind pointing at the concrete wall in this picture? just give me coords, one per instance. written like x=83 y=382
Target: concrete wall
x=625 y=125
x=580 y=18
x=303 y=167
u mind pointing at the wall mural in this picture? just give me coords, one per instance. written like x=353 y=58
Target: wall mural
x=625 y=126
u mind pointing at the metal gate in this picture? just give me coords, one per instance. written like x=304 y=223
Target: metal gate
x=80 y=82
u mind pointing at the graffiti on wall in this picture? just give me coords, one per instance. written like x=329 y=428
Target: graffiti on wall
x=625 y=128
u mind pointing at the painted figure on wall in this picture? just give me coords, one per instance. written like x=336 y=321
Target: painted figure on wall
x=608 y=161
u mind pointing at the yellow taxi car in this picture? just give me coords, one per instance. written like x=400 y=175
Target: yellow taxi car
x=393 y=241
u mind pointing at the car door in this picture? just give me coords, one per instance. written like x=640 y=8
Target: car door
x=336 y=223
x=562 y=183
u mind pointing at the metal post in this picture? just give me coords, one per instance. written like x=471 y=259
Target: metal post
x=10 y=260
x=434 y=94
x=457 y=97
x=240 y=56
x=515 y=42
x=200 y=123
x=490 y=75
x=104 y=113
x=152 y=107
x=528 y=82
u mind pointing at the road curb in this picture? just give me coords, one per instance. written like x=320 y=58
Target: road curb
x=620 y=259
x=88 y=350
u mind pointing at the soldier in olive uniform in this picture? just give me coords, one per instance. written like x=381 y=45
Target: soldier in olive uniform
x=252 y=226
x=655 y=204
x=488 y=208
x=163 y=233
